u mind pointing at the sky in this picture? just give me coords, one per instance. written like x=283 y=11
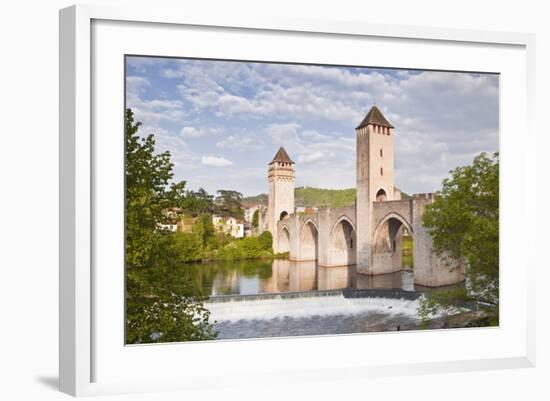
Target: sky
x=223 y=121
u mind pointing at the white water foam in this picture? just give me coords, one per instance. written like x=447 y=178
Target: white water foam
x=306 y=307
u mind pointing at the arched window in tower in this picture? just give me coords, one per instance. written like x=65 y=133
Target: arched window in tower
x=381 y=195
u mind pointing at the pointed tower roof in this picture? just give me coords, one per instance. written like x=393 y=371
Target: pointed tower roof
x=375 y=117
x=281 y=156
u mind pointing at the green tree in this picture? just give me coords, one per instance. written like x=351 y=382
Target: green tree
x=265 y=240
x=256 y=218
x=189 y=246
x=147 y=177
x=463 y=222
x=204 y=229
x=197 y=202
x=230 y=204
x=158 y=307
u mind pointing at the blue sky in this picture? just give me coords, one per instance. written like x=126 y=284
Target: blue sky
x=223 y=121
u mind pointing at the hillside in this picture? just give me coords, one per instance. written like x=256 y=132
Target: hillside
x=308 y=196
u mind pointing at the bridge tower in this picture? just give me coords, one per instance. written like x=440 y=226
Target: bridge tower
x=281 y=196
x=375 y=179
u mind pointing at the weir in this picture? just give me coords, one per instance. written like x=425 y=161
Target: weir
x=311 y=307
x=345 y=293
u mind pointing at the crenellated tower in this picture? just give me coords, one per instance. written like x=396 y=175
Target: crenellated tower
x=281 y=193
x=375 y=179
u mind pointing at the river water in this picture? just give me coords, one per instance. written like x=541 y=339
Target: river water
x=267 y=298
x=249 y=277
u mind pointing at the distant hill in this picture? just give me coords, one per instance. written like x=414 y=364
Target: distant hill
x=255 y=200
x=308 y=196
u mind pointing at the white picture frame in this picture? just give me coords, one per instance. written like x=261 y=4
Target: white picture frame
x=91 y=362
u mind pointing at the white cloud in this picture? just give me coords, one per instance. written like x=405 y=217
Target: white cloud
x=284 y=134
x=241 y=143
x=181 y=154
x=141 y=64
x=191 y=132
x=153 y=111
x=311 y=157
x=314 y=135
x=215 y=161
x=442 y=119
x=136 y=84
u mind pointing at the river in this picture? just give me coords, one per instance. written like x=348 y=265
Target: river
x=267 y=298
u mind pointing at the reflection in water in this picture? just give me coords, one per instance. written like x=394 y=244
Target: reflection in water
x=282 y=275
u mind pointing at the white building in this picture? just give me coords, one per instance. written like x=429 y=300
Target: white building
x=168 y=227
x=228 y=225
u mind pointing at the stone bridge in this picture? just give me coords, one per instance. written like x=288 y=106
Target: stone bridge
x=329 y=236
x=368 y=234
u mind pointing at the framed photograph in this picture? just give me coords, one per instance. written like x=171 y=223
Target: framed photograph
x=298 y=200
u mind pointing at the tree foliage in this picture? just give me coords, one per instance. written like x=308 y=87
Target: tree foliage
x=147 y=177
x=198 y=202
x=204 y=229
x=256 y=218
x=246 y=248
x=158 y=307
x=463 y=222
x=229 y=203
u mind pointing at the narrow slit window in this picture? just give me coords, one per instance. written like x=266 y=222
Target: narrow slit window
x=381 y=171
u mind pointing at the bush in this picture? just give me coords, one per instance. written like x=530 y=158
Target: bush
x=247 y=248
x=188 y=246
x=265 y=240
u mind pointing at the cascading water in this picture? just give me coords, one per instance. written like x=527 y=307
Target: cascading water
x=310 y=315
x=255 y=299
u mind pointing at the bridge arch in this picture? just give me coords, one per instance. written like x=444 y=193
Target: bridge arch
x=396 y=216
x=342 y=242
x=388 y=241
x=342 y=218
x=309 y=241
x=283 y=240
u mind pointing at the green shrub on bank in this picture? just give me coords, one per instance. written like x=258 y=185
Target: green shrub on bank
x=265 y=241
x=246 y=248
x=189 y=246
x=195 y=247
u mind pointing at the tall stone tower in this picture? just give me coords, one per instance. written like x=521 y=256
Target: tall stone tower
x=281 y=193
x=375 y=180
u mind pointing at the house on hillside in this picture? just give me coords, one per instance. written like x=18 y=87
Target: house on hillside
x=228 y=225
